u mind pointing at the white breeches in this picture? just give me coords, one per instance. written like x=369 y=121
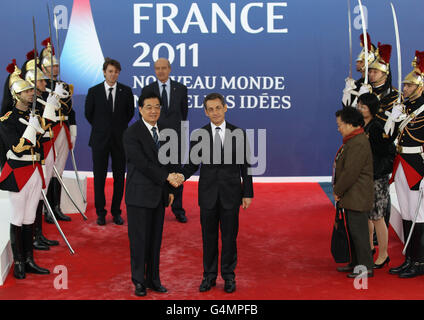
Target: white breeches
x=407 y=198
x=24 y=203
x=48 y=169
x=62 y=150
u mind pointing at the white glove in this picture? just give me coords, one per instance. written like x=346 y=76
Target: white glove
x=395 y=116
x=50 y=106
x=347 y=91
x=60 y=91
x=33 y=126
x=73 y=132
x=422 y=184
x=365 y=88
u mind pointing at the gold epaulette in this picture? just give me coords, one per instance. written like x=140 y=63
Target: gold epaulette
x=6 y=116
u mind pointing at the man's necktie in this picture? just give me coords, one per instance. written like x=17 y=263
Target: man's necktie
x=217 y=147
x=164 y=98
x=110 y=99
x=156 y=138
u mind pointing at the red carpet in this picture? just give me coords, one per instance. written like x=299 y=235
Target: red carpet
x=283 y=249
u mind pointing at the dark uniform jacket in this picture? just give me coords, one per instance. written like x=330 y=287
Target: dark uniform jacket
x=15 y=173
x=387 y=99
x=411 y=136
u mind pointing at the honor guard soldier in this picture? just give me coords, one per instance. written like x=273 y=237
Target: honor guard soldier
x=380 y=77
x=40 y=241
x=21 y=173
x=408 y=169
x=64 y=130
x=351 y=90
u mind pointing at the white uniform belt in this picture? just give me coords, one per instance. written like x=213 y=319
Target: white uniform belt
x=409 y=150
x=62 y=118
x=26 y=157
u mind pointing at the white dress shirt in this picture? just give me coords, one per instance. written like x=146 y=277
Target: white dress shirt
x=221 y=132
x=168 y=89
x=149 y=126
x=107 y=87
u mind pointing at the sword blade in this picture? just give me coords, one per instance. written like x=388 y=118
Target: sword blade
x=77 y=176
x=57 y=42
x=34 y=103
x=51 y=44
x=67 y=191
x=399 y=57
x=350 y=38
x=49 y=209
x=364 y=31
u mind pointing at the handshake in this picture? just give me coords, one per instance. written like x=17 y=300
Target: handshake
x=175 y=179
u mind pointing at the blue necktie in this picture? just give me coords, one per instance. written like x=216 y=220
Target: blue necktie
x=164 y=98
x=156 y=138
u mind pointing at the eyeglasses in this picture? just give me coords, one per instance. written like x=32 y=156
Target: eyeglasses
x=151 y=108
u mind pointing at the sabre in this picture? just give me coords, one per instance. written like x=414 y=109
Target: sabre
x=399 y=57
x=77 y=176
x=51 y=47
x=67 y=191
x=420 y=196
x=57 y=43
x=34 y=103
x=364 y=31
x=49 y=209
x=350 y=38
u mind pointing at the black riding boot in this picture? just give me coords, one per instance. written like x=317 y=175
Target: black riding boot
x=417 y=253
x=407 y=263
x=16 y=243
x=30 y=266
x=40 y=239
x=54 y=200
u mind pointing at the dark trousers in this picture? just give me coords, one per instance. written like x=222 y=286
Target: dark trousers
x=100 y=165
x=212 y=220
x=360 y=249
x=145 y=228
x=177 y=204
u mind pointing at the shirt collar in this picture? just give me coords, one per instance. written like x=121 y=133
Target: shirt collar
x=108 y=86
x=168 y=83
x=222 y=126
x=149 y=126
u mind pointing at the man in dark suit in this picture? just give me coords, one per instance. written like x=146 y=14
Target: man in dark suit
x=147 y=194
x=174 y=110
x=109 y=107
x=221 y=191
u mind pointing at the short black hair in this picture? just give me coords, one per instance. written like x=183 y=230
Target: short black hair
x=371 y=101
x=351 y=116
x=148 y=95
x=213 y=96
x=113 y=62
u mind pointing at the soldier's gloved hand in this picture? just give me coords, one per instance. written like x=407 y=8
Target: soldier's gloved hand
x=60 y=90
x=397 y=111
x=347 y=91
x=395 y=116
x=365 y=88
x=52 y=104
x=33 y=126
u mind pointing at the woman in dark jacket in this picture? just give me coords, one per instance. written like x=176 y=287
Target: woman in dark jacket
x=383 y=152
x=353 y=188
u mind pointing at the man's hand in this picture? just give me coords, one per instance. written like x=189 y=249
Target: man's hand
x=365 y=88
x=347 y=91
x=395 y=116
x=171 y=199
x=175 y=179
x=336 y=197
x=246 y=202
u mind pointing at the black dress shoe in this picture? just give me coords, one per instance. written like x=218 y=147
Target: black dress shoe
x=101 y=221
x=347 y=268
x=160 y=288
x=31 y=267
x=47 y=241
x=181 y=218
x=207 y=284
x=118 y=220
x=416 y=269
x=230 y=286
x=404 y=266
x=140 y=290
x=368 y=274
x=39 y=245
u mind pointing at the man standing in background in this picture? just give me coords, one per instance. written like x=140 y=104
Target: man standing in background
x=109 y=107
x=174 y=110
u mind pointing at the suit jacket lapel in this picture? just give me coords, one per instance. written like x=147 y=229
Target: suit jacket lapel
x=117 y=96
x=147 y=136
